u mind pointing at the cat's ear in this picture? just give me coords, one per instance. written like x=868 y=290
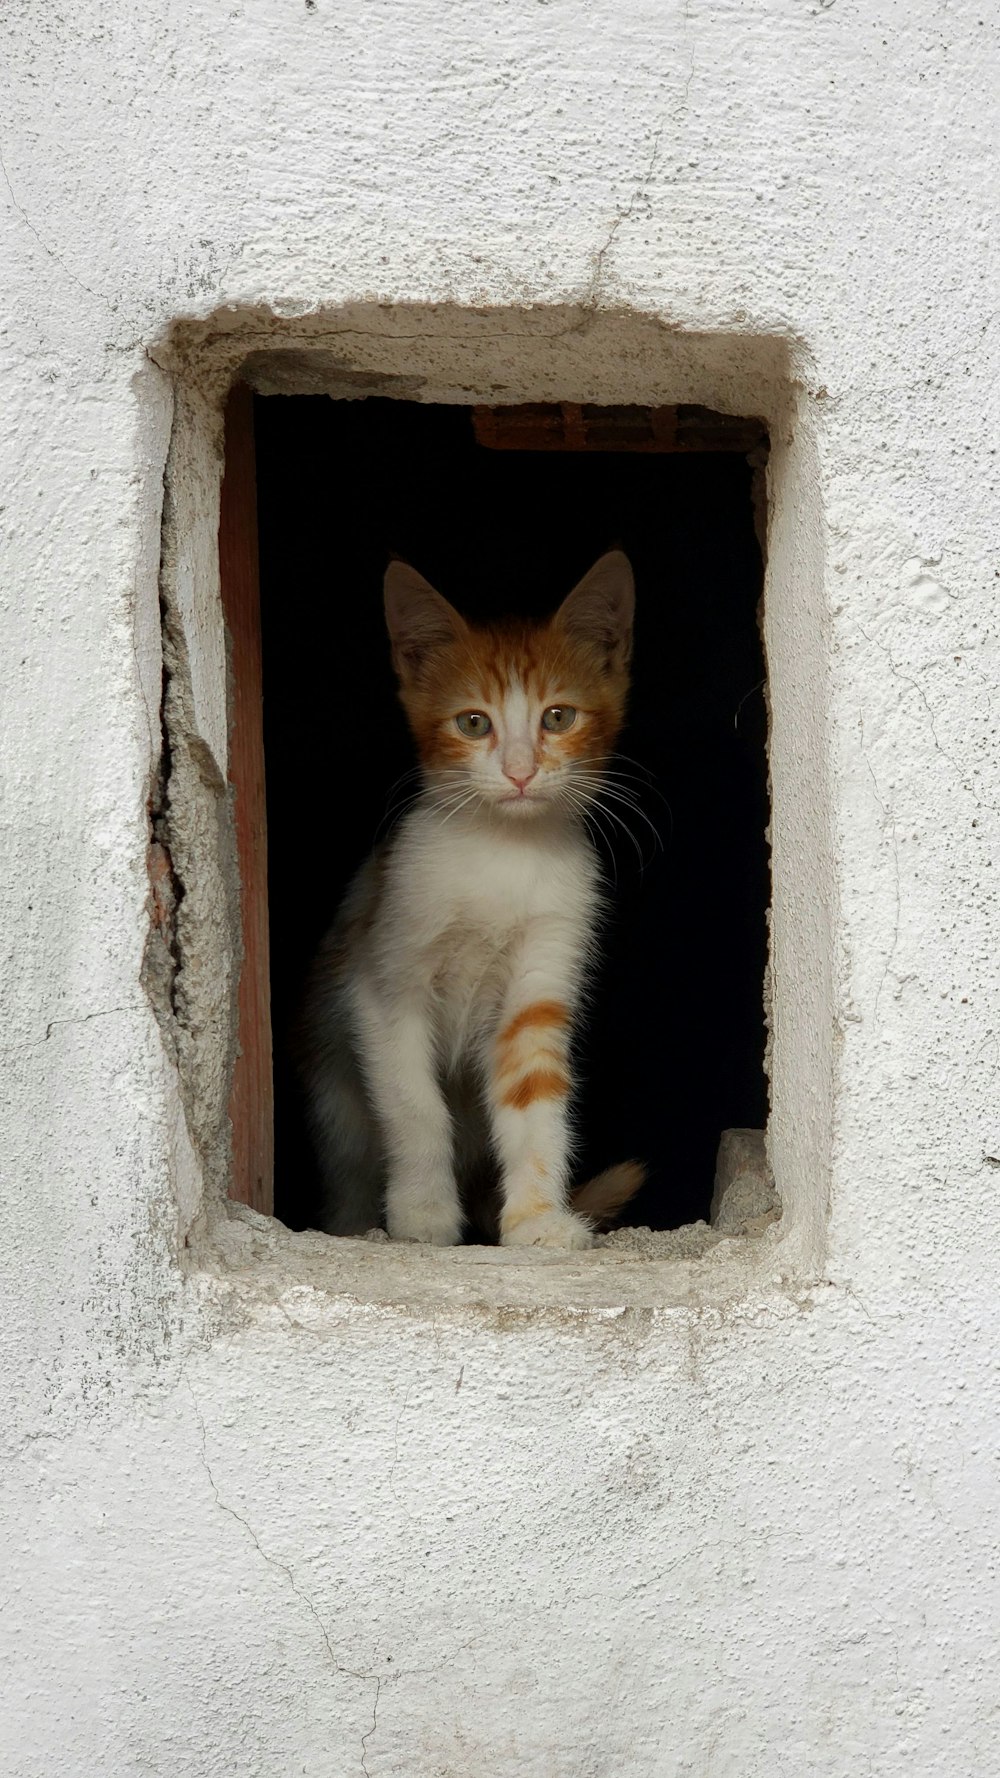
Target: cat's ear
x=419 y=620
x=601 y=607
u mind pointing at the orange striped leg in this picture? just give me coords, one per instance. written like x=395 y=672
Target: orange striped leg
x=531 y=1086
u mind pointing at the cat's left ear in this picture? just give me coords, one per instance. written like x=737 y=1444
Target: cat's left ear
x=420 y=622
x=601 y=607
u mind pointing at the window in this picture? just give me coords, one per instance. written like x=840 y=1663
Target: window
x=503 y=509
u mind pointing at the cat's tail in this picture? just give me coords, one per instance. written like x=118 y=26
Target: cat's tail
x=604 y=1197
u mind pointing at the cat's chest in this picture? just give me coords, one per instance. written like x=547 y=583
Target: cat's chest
x=481 y=889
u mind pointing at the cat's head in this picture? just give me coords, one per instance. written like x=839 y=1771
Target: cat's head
x=519 y=716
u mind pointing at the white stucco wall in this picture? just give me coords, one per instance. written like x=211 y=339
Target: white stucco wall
x=268 y=1509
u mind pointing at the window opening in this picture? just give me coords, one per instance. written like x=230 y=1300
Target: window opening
x=503 y=510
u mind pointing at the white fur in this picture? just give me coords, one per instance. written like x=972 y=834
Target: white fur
x=480 y=912
x=472 y=924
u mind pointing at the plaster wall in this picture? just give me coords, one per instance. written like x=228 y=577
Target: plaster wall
x=273 y=1509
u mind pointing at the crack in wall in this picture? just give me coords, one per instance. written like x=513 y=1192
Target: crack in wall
x=889 y=822
x=162 y=962
x=366 y=1737
x=82 y=1018
x=275 y=1562
x=963 y=776
x=50 y=252
x=271 y=1560
x=133 y=608
x=899 y=672
x=597 y=274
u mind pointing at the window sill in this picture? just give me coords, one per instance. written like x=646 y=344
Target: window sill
x=682 y=1268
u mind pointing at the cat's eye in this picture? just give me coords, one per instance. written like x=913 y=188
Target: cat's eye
x=474 y=724
x=558 y=718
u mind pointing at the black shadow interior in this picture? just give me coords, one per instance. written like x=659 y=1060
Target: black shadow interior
x=673 y=1050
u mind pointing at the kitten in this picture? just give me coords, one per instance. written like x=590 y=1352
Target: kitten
x=435 y=1039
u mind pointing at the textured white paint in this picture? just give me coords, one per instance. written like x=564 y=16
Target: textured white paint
x=266 y=1511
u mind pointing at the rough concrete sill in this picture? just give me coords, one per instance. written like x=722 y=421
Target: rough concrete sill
x=694 y=1266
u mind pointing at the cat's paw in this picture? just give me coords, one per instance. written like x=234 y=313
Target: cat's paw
x=436 y=1225
x=550 y=1228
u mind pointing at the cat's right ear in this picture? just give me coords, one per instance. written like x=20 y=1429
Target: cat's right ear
x=600 y=609
x=419 y=620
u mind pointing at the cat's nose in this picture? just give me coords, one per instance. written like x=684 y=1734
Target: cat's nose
x=522 y=782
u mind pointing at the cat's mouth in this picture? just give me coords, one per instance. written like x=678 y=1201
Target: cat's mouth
x=522 y=801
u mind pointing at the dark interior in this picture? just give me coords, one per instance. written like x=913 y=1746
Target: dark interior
x=673 y=1049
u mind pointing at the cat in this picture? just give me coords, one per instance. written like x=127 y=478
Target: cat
x=434 y=1040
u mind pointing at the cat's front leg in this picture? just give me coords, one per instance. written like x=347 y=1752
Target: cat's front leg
x=422 y=1202
x=530 y=1089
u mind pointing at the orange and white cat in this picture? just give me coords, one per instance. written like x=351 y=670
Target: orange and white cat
x=435 y=1039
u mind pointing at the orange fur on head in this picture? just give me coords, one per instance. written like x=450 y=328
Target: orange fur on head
x=579 y=656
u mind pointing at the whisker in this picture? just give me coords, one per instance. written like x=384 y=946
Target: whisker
x=593 y=785
x=629 y=781
x=395 y=814
x=588 y=814
x=747 y=695
x=595 y=802
x=609 y=771
x=436 y=805
x=473 y=796
x=612 y=816
x=602 y=838
x=451 y=781
x=397 y=806
x=645 y=770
